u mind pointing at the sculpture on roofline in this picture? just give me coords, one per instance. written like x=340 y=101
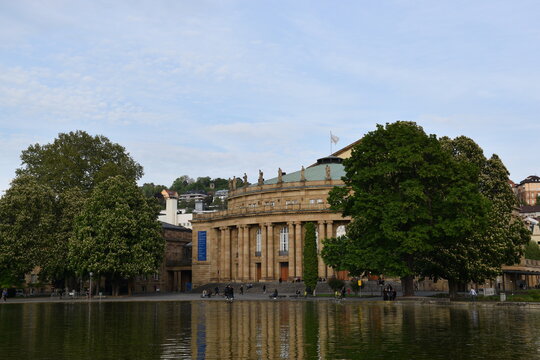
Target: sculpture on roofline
x=328 y=177
x=302 y=174
x=261 y=179
x=245 y=180
x=279 y=175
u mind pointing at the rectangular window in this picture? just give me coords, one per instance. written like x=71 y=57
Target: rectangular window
x=258 y=241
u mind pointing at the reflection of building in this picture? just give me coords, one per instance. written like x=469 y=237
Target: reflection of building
x=260 y=235
x=528 y=190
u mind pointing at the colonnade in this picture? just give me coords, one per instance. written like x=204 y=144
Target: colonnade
x=234 y=255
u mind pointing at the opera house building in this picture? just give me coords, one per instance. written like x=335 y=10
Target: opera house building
x=260 y=236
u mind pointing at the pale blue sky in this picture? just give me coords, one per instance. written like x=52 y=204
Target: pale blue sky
x=220 y=88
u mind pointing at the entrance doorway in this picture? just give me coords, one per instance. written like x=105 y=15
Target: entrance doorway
x=258 y=272
x=284 y=271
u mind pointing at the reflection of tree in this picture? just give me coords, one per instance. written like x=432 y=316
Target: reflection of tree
x=311 y=330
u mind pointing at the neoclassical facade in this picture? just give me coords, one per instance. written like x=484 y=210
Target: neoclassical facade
x=260 y=236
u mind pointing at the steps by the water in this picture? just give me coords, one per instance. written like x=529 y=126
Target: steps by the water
x=371 y=287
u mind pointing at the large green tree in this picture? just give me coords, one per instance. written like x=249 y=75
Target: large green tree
x=404 y=193
x=117 y=234
x=479 y=256
x=53 y=183
x=310 y=257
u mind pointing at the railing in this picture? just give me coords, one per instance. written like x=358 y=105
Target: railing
x=257 y=253
x=261 y=210
x=178 y=262
x=283 y=252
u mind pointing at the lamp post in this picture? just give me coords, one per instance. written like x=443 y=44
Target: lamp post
x=90 y=294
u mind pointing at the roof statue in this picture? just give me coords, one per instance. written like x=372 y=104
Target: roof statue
x=245 y=180
x=327 y=169
x=280 y=175
x=234 y=183
x=303 y=174
x=230 y=184
x=261 y=179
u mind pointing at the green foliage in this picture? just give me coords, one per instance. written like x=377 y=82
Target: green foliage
x=310 y=257
x=404 y=193
x=151 y=190
x=38 y=211
x=116 y=234
x=480 y=255
x=532 y=251
x=538 y=199
x=77 y=160
x=28 y=223
x=342 y=254
x=335 y=284
x=185 y=183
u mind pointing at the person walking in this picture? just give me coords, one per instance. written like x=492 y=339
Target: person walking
x=4 y=294
x=264 y=289
x=473 y=294
x=241 y=289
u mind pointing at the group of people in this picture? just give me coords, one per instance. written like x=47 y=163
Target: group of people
x=228 y=292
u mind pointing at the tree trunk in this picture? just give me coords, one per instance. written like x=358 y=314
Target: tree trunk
x=452 y=289
x=407 y=285
x=116 y=286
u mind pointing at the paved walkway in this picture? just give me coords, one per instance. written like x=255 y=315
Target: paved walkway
x=197 y=297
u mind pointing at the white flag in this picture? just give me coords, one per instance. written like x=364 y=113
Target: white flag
x=333 y=138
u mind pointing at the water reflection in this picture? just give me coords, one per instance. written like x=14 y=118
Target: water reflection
x=266 y=330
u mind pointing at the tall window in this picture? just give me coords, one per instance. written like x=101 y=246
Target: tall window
x=317 y=239
x=284 y=239
x=258 y=240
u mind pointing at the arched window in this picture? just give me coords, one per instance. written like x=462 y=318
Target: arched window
x=258 y=241
x=284 y=239
x=341 y=231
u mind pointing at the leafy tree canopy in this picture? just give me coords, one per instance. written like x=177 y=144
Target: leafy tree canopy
x=405 y=194
x=117 y=234
x=28 y=221
x=78 y=160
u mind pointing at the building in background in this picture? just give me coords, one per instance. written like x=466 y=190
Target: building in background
x=260 y=236
x=528 y=190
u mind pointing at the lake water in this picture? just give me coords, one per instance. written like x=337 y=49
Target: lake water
x=266 y=330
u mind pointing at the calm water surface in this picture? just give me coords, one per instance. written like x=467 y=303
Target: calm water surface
x=266 y=330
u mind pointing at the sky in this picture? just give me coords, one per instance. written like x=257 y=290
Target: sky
x=219 y=88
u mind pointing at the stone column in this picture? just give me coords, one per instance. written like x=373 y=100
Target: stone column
x=271 y=251
x=329 y=233
x=322 y=235
x=240 y=249
x=214 y=255
x=292 y=268
x=298 y=248
x=246 y=254
x=226 y=253
x=264 y=253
